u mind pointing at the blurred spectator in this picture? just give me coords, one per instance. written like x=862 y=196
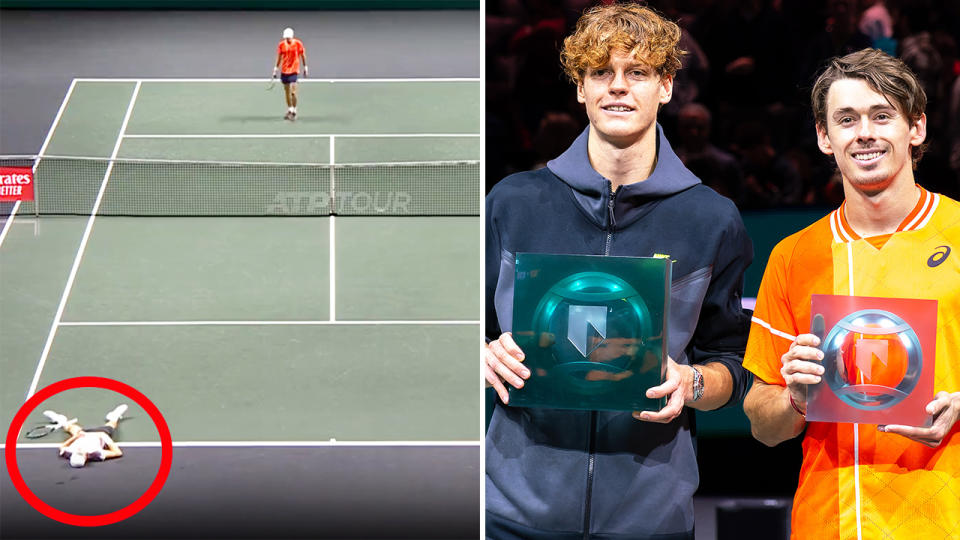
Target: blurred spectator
x=770 y=180
x=929 y=51
x=714 y=167
x=746 y=42
x=557 y=132
x=877 y=24
x=838 y=36
x=919 y=51
x=694 y=76
x=750 y=64
x=689 y=82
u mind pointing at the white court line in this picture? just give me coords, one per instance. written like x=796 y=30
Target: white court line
x=9 y=223
x=296 y=135
x=385 y=164
x=482 y=235
x=301 y=81
x=256 y=444
x=333 y=232
x=272 y=323
x=56 y=119
x=43 y=149
x=83 y=246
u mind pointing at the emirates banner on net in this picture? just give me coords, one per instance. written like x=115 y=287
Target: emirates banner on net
x=16 y=184
x=878 y=359
x=593 y=330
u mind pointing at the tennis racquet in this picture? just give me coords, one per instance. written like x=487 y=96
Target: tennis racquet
x=273 y=82
x=41 y=431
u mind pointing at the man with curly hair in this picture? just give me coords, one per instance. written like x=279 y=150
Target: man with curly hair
x=618 y=190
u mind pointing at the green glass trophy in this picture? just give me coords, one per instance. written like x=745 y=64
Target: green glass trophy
x=593 y=330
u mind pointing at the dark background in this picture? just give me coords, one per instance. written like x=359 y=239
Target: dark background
x=751 y=65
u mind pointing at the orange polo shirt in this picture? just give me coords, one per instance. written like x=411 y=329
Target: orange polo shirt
x=290 y=55
x=856 y=482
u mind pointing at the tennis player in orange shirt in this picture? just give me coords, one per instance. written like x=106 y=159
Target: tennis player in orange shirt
x=290 y=54
x=887 y=239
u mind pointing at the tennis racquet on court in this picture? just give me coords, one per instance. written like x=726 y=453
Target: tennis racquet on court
x=273 y=82
x=41 y=431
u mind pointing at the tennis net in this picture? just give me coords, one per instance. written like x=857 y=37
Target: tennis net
x=156 y=187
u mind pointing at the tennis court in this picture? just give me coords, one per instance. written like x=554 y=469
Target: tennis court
x=306 y=309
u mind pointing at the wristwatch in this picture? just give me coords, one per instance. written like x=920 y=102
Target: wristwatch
x=697 y=384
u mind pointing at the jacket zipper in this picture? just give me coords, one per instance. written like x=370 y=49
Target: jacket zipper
x=613 y=220
x=591 y=456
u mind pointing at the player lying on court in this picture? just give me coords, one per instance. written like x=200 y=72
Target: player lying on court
x=90 y=443
x=290 y=53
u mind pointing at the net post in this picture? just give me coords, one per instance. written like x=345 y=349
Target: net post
x=36 y=189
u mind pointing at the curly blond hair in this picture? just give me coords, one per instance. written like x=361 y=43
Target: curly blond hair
x=636 y=30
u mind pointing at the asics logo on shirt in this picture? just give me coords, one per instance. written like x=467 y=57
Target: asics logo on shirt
x=938 y=256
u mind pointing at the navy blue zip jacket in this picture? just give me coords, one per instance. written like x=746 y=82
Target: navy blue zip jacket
x=561 y=474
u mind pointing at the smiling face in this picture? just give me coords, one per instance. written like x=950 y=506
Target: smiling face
x=622 y=99
x=870 y=138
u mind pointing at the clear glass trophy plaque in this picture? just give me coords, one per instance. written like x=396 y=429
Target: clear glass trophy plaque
x=593 y=330
x=878 y=359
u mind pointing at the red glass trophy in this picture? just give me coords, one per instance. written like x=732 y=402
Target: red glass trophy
x=878 y=359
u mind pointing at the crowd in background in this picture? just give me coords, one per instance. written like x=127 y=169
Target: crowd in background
x=740 y=117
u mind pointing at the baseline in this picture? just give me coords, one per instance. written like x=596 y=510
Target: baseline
x=273 y=323
x=294 y=135
x=259 y=444
x=305 y=80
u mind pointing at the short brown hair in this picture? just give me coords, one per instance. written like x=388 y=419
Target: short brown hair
x=883 y=73
x=637 y=30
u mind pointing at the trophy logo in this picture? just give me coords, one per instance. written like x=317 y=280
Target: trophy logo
x=587 y=322
x=872 y=359
x=593 y=329
x=595 y=325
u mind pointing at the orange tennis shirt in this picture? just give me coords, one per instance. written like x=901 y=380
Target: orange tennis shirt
x=856 y=482
x=290 y=55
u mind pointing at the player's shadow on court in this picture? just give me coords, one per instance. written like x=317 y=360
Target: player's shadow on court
x=270 y=119
x=328 y=118
x=261 y=119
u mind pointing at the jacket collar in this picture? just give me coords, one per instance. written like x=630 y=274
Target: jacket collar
x=592 y=190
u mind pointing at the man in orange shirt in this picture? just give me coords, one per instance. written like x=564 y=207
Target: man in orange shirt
x=890 y=238
x=290 y=54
